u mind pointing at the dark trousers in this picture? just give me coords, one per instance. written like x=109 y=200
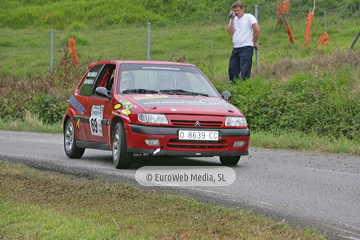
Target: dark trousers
x=240 y=62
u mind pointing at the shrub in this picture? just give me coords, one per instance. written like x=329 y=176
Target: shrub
x=50 y=109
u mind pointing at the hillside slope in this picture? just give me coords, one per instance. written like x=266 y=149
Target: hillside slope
x=90 y=14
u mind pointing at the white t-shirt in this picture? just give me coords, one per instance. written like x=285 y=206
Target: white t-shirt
x=243 y=31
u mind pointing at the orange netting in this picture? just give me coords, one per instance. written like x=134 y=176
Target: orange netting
x=282 y=10
x=308 y=28
x=73 y=51
x=323 y=39
x=289 y=33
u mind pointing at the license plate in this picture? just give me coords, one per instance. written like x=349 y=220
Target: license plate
x=198 y=135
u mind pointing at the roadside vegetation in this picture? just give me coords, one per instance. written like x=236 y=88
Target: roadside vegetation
x=40 y=205
x=310 y=105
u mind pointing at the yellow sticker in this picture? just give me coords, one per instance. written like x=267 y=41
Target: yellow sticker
x=117 y=106
x=126 y=111
x=78 y=123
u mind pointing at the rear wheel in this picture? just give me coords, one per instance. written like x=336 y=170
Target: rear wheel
x=71 y=150
x=121 y=158
x=229 y=160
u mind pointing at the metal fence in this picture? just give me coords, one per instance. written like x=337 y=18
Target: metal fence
x=202 y=41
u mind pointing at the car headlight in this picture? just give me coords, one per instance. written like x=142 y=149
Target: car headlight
x=152 y=118
x=236 y=122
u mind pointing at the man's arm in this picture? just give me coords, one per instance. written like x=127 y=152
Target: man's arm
x=256 y=34
x=230 y=29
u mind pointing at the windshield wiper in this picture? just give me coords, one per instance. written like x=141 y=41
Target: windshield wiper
x=140 y=90
x=182 y=92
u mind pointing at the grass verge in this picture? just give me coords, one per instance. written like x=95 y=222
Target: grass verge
x=305 y=142
x=40 y=205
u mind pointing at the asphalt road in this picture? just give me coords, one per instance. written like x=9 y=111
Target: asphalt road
x=302 y=188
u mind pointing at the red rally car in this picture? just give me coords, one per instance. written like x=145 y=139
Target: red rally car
x=154 y=108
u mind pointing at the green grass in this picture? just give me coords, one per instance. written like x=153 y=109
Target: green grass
x=38 y=205
x=202 y=39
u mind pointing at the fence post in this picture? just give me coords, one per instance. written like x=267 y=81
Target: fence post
x=51 y=49
x=256 y=9
x=355 y=40
x=148 y=41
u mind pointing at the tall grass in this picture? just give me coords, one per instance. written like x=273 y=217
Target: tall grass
x=45 y=95
x=320 y=96
x=30 y=123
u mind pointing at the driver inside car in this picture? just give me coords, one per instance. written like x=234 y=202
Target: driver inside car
x=127 y=81
x=165 y=81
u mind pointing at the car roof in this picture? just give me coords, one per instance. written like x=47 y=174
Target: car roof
x=118 y=62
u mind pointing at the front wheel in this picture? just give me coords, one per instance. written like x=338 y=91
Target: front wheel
x=121 y=158
x=229 y=160
x=71 y=150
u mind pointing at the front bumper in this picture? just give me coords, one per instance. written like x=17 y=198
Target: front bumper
x=171 y=145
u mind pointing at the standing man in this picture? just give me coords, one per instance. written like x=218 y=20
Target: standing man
x=246 y=31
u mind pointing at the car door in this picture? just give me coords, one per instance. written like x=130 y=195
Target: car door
x=79 y=102
x=99 y=108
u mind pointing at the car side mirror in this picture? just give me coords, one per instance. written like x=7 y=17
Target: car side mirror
x=226 y=95
x=103 y=92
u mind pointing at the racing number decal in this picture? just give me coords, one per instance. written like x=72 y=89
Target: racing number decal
x=95 y=119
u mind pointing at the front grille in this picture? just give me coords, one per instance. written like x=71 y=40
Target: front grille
x=205 y=124
x=195 y=144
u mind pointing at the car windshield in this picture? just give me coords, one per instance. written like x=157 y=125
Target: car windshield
x=164 y=79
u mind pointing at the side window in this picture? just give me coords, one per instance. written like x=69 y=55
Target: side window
x=110 y=82
x=89 y=82
x=104 y=78
x=107 y=77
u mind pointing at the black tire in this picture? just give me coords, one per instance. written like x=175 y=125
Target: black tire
x=71 y=150
x=122 y=159
x=229 y=160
